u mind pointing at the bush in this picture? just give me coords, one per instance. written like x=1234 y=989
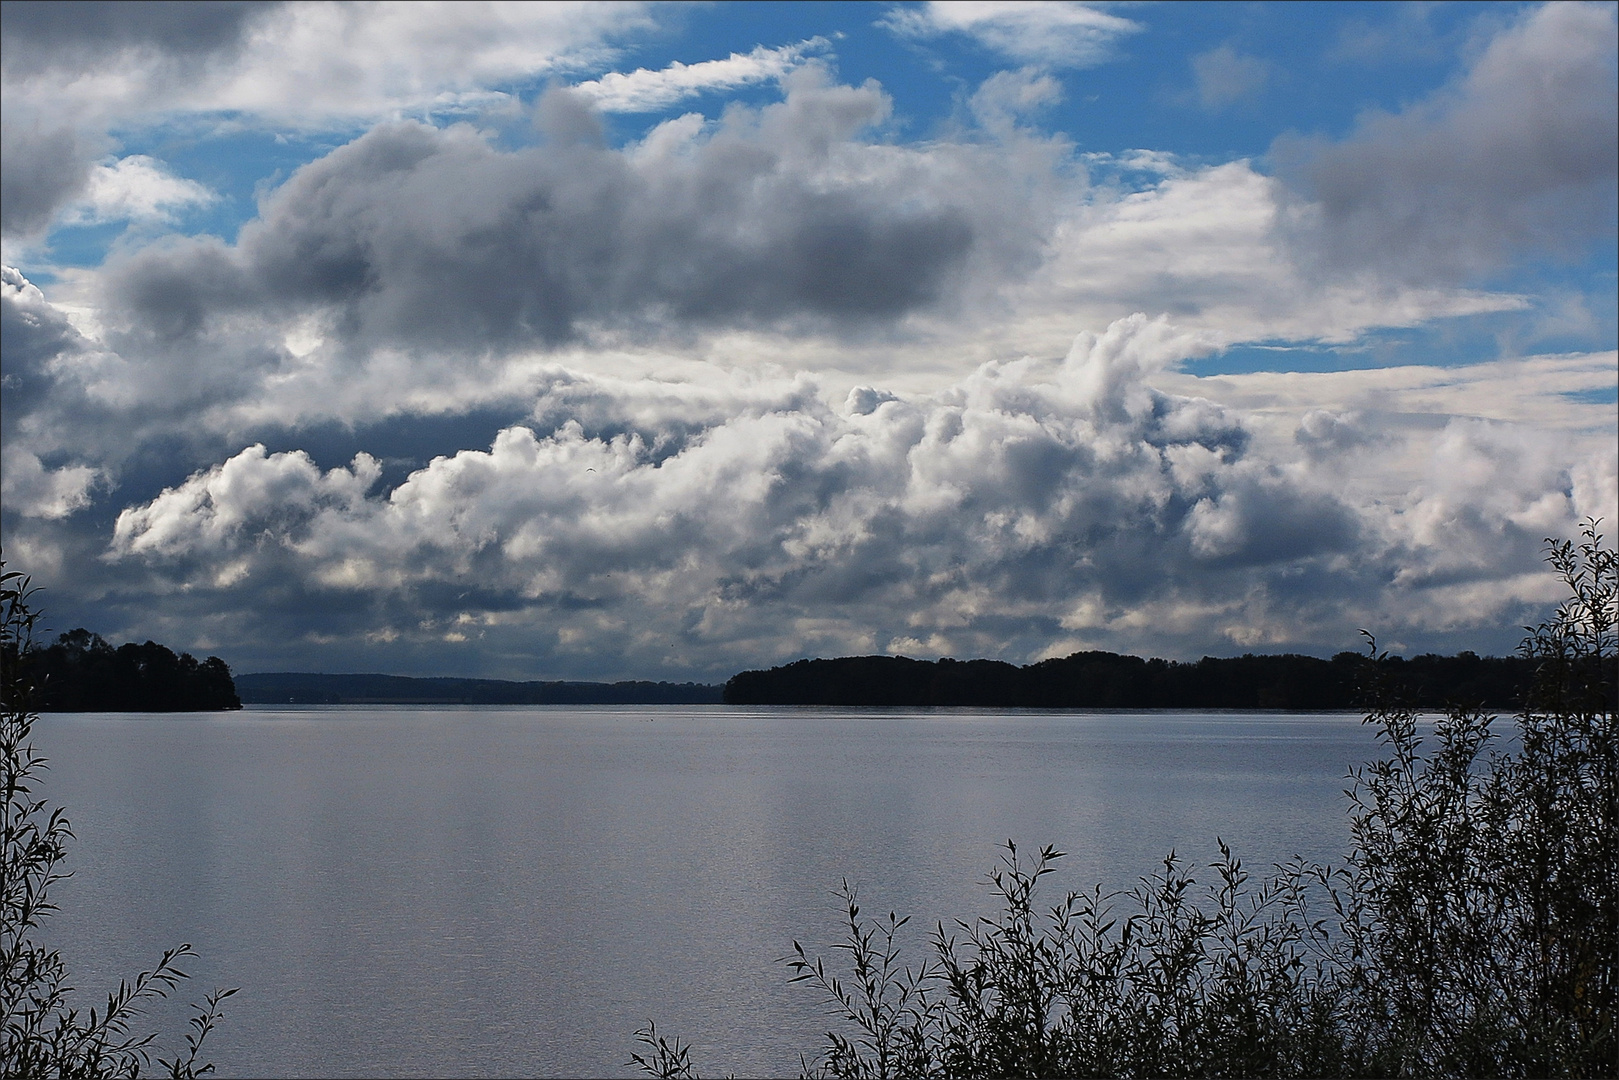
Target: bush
x=1470 y=932
x=44 y=1035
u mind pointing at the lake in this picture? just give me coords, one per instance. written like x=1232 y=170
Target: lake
x=438 y=891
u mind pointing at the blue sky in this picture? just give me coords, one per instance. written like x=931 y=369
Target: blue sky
x=597 y=341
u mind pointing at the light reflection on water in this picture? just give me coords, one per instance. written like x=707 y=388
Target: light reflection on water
x=430 y=891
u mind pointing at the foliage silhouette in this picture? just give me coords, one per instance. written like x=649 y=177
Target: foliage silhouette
x=1104 y=680
x=1473 y=929
x=81 y=672
x=44 y=1034
x=302 y=688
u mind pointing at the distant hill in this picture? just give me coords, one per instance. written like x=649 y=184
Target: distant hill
x=82 y=672
x=302 y=688
x=1090 y=680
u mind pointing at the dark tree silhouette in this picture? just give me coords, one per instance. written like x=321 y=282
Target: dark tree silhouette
x=81 y=672
x=1104 y=680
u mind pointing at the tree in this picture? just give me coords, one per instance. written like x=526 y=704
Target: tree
x=44 y=1034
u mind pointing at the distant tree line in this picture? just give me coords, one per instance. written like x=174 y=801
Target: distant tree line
x=301 y=688
x=82 y=672
x=1104 y=680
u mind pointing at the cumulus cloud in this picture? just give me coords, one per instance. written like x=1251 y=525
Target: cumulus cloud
x=237 y=503
x=952 y=510
x=640 y=526
x=69 y=72
x=38 y=343
x=642 y=91
x=1059 y=34
x=1008 y=96
x=1521 y=154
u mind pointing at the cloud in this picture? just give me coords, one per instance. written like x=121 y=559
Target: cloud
x=27 y=487
x=1402 y=32
x=428 y=270
x=237 y=503
x=750 y=388
x=413 y=237
x=1520 y=155
x=137 y=187
x=1559 y=392
x=294 y=64
x=39 y=344
x=41 y=35
x=1214 y=247
x=1225 y=76
x=1007 y=96
x=72 y=74
x=644 y=91
x=420 y=273
x=41 y=170
x=641 y=526
x=1062 y=35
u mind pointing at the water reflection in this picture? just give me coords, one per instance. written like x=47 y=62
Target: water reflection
x=431 y=891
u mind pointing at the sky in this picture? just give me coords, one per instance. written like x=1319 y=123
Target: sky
x=602 y=341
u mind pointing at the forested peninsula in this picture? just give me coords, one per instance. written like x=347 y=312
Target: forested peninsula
x=82 y=672
x=1104 y=680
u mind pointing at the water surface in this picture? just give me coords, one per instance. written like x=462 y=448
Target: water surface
x=431 y=891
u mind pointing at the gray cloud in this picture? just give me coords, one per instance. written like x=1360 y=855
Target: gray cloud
x=50 y=143
x=1225 y=76
x=413 y=236
x=1522 y=154
x=1323 y=432
x=40 y=33
x=42 y=169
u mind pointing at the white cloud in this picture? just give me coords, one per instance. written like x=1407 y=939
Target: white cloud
x=373 y=283
x=27 y=487
x=641 y=90
x=1554 y=392
x=1059 y=34
x=1214 y=248
x=251 y=496
x=1008 y=96
x=138 y=188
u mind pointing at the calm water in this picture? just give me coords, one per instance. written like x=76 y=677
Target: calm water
x=513 y=891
